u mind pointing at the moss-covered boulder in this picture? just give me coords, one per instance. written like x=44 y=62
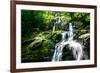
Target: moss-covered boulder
x=41 y=47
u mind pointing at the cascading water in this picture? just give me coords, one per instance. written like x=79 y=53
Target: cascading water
x=70 y=32
x=56 y=21
x=58 y=48
x=64 y=36
x=77 y=48
x=54 y=27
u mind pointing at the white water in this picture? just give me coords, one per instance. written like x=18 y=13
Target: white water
x=56 y=21
x=70 y=32
x=58 y=48
x=54 y=27
x=64 y=36
x=76 y=47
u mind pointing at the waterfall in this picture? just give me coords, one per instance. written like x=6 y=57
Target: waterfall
x=77 y=48
x=56 y=21
x=58 y=52
x=54 y=27
x=63 y=36
x=70 y=32
x=58 y=48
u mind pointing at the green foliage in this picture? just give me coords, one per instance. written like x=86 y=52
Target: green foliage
x=37 y=39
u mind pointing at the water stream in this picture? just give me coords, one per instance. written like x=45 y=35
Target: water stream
x=76 y=47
